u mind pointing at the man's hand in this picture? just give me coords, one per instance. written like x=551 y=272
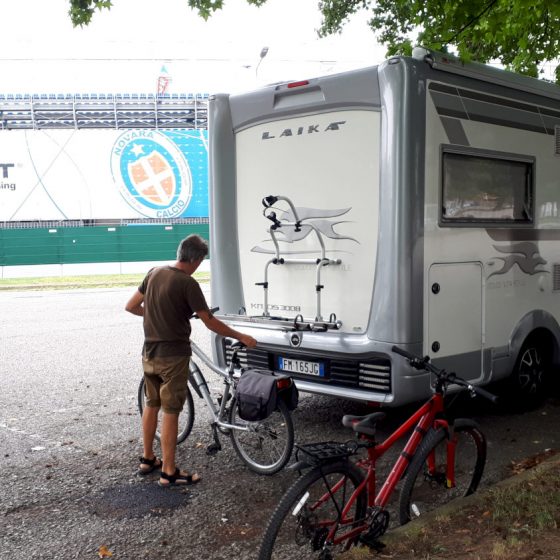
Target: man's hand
x=249 y=341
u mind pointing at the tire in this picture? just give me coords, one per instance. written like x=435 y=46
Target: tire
x=301 y=534
x=267 y=445
x=528 y=381
x=186 y=418
x=421 y=491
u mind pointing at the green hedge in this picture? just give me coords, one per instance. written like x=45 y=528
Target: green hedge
x=65 y=245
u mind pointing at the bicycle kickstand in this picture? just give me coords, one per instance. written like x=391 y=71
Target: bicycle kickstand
x=215 y=446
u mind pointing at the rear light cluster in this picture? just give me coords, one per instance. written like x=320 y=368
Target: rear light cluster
x=298 y=84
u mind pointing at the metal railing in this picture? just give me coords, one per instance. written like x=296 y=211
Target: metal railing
x=98 y=110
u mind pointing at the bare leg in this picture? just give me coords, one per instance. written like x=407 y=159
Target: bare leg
x=169 y=429
x=149 y=427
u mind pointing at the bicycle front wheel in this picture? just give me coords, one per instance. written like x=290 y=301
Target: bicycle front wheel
x=186 y=418
x=426 y=486
x=308 y=521
x=265 y=446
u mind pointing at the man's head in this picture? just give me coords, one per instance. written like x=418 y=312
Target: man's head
x=192 y=249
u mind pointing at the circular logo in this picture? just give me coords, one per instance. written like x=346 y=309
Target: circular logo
x=152 y=174
x=295 y=340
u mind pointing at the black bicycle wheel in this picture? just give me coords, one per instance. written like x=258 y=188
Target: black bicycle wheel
x=265 y=446
x=425 y=486
x=186 y=418
x=309 y=509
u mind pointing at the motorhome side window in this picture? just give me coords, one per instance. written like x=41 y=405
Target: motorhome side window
x=486 y=189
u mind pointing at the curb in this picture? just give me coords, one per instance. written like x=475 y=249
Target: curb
x=478 y=498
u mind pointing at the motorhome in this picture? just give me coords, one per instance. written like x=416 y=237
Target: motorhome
x=414 y=203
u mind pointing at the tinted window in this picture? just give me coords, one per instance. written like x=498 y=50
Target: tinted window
x=486 y=189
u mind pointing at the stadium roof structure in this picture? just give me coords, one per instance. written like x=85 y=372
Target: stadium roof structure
x=99 y=110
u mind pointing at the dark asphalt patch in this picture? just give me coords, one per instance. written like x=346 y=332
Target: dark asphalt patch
x=129 y=501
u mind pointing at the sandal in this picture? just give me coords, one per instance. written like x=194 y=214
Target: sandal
x=152 y=464
x=178 y=479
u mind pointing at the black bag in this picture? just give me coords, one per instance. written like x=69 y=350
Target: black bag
x=258 y=392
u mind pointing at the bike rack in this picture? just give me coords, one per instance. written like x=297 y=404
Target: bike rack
x=299 y=323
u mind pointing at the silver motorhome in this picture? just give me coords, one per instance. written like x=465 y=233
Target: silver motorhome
x=412 y=203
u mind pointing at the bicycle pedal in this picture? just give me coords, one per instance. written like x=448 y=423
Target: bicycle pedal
x=213 y=448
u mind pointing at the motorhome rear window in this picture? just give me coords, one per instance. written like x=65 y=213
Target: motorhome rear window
x=486 y=188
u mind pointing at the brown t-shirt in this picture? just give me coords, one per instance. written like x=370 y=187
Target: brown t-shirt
x=170 y=297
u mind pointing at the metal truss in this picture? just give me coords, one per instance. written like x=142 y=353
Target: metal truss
x=116 y=111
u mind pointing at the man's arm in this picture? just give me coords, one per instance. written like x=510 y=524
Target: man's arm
x=135 y=304
x=215 y=325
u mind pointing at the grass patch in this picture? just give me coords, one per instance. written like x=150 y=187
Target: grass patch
x=506 y=522
x=81 y=282
x=530 y=507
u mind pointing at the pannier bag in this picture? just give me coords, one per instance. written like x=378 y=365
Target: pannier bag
x=258 y=392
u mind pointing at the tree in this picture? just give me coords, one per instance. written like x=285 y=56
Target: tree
x=520 y=34
x=81 y=11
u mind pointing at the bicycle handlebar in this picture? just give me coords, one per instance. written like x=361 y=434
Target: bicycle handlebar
x=484 y=393
x=424 y=363
x=415 y=361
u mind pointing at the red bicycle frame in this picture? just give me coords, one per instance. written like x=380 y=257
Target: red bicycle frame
x=421 y=421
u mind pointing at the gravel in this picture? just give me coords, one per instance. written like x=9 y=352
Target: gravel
x=70 y=441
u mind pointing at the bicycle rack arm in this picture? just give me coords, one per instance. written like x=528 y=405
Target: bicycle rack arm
x=319 y=286
x=320 y=262
x=268 y=201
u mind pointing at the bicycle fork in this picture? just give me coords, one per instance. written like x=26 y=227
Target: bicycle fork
x=451 y=447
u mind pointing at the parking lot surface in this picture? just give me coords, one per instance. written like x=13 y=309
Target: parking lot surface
x=70 y=441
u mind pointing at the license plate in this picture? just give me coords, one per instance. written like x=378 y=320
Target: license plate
x=301 y=366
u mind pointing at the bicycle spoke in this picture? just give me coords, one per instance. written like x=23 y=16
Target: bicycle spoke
x=265 y=446
x=312 y=525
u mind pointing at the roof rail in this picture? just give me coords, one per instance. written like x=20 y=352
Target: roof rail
x=449 y=63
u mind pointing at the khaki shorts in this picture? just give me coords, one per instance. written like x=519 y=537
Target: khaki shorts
x=166 y=382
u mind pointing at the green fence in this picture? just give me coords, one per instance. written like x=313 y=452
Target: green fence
x=66 y=245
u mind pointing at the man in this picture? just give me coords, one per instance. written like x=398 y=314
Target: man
x=166 y=299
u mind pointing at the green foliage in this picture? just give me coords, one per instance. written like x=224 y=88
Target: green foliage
x=521 y=34
x=81 y=11
x=206 y=8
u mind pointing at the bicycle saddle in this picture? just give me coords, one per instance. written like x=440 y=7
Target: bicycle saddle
x=363 y=424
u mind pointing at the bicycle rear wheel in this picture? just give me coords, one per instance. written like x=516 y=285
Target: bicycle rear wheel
x=265 y=446
x=425 y=487
x=310 y=510
x=186 y=418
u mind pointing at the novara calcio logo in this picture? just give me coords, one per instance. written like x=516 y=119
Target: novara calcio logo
x=152 y=174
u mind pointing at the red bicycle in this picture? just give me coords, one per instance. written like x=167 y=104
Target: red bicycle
x=335 y=504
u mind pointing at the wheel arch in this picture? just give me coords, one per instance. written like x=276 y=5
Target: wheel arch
x=537 y=325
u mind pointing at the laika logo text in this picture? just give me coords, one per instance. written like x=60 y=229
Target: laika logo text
x=152 y=174
x=301 y=130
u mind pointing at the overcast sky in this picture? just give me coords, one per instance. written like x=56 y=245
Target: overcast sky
x=124 y=49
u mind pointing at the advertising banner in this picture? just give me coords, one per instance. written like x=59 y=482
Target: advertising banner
x=102 y=174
